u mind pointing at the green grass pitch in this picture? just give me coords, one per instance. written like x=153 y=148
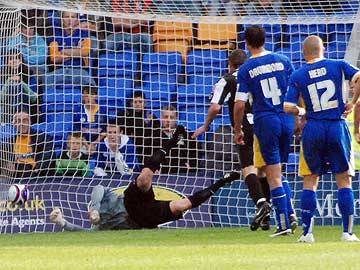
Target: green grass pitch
x=214 y=248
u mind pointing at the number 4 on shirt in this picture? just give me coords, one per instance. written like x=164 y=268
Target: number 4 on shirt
x=271 y=90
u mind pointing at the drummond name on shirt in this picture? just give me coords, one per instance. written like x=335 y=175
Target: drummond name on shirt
x=264 y=69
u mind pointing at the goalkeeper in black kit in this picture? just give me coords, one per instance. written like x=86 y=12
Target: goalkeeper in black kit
x=137 y=208
x=225 y=91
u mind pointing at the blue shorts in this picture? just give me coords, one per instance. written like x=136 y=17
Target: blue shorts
x=326 y=145
x=272 y=140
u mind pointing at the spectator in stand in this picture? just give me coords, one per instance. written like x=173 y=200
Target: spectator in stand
x=89 y=120
x=28 y=153
x=69 y=53
x=116 y=154
x=15 y=90
x=73 y=162
x=128 y=34
x=183 y=158
x=32 y=46
x=139 y=122
x=92 y=24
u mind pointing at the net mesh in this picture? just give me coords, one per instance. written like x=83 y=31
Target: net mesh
x=74 y=67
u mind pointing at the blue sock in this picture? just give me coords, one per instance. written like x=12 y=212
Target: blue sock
x=308 y=206
x=346 y=206
x=278 y=197
x=288 y=193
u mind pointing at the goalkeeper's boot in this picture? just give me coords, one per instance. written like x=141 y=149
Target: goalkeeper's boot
x=293 y=222
x=280 y=232
x=308 y=238
x=56 y=217
x=265 y=223
x=262 y=212
x=347 y=237
x=230 y=177
x=94 y=217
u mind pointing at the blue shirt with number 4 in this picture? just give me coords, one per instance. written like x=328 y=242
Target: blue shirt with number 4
x=265 y=77
x=323 y=85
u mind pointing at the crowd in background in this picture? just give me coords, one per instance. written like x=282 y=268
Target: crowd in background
x=54 y=48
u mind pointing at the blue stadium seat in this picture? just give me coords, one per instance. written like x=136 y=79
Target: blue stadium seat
x=199 y=61
x=340 y=28
x=293 y=55
x=339 y=37
x=208 y=80
x=118 y=83
x=155 y=105
x=158 y=90
x=6 y=132
x=118 y=64
x=60 y=107
x=59 y=118
x=193 y=116
x=164 y=78
x=337 y=47
x=306 y=29
x=62 y=95
x=169 y=63
x=192 y=91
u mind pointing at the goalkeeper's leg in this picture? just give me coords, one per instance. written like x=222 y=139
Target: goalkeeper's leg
x=56 y=216
x=153 y=164
x=193 y=201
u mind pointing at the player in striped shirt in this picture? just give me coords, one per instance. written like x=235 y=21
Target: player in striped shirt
x=225 y=91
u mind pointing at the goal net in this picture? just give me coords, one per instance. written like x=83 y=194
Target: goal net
x=89 y=88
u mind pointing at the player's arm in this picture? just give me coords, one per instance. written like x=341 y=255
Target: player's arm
x=217 y=100
x=242 y=96
x=292 y=100
x=352 y=74
x=294 y=109
x=212 y=113
x=239 y=110
x=357 y=122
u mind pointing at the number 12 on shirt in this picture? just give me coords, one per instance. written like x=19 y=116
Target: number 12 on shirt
x=323 y=102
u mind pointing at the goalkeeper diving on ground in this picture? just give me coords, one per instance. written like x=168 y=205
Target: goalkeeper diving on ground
x=137 y=208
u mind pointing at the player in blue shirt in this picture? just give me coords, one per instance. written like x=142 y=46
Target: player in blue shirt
x=264 y=77
x=326 y=138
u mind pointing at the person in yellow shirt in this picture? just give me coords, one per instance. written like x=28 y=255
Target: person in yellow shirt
x=28 y=154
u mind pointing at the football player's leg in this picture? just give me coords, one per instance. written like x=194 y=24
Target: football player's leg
x=264 y=184
x=341 y=161
x=267 y=156
x=56 y=216
x=153 y=164
x=201 y=196
x=97 y=195
x=246 y=156
x=308 y=207
x=346 y=202
x=312 y=164
x=288 y=125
